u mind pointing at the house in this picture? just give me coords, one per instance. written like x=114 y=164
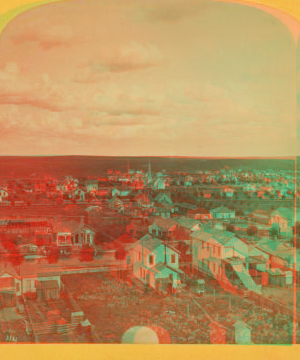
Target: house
x=116 y=204
x=137 y=228
x=72 y=234
x=281 y=255
x=163 y=198
x=91 y=186
x=36 y=230
x=213 y=250
x=222 y=212
x=4 y=194
x=249 y=187
x=162 y=227
x=78 y=194
x=260 y=193
x=199 y=214
x=158 y=184
x=137 y=212
x=188 y=181
x=284 y=217
x=142 y=200
x=92 y=213
x=137 y=185
x=27 y=282
x=226 y=191
x=188 y=223
x=10 y=286
x=120 y=192
x=183 y=208
x=125 y=241
x=156 y=264
x=163 y=210
x=207 y=194
x=181 y=240
x=260 y=216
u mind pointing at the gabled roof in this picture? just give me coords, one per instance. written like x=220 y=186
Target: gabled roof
x=165 y=223
x=126 y=239
x=162 y=196
x=201 y=235
x=161 y=266
x=222 y=209
x=92 y=207
x=8 y=269
x=223 y=237
x=198 y=211
x=69 y=226
x=284 y=212
x=260 y=213
x=150 y=243
x=181 y=234
x=187 y=222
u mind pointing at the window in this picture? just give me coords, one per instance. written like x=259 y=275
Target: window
x=128 y=259
x=151 y=261
x=173 y=258
x=17 y=287
x=219 y=251
x=88 y=238
x=140 y=256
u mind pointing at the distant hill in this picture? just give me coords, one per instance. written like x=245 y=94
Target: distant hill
x=82 y=166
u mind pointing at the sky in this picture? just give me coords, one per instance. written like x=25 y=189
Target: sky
x=151 y=78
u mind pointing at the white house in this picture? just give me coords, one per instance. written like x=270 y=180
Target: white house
x=227 y=191
x=155 y=263
x=222 y=212
x=3 y=195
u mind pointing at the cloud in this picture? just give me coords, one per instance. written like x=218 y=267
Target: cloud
x=128 y=57
x=116 y=100
x=41 y=92
x=174 y=10
x=136 y=55
x=46 y=36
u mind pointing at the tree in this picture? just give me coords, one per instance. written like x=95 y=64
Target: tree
x=239 y=212
x=252 y=230
x=274 y=230
x=230 y=227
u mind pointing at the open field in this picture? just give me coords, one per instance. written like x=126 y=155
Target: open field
x=112 y=307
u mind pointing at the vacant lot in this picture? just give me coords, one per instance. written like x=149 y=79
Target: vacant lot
x=112 y=307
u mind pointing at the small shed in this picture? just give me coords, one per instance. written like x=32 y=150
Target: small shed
x=287 y=278
x=77 y=317
x=47 y=289
x=242 y=333
x=53 y=316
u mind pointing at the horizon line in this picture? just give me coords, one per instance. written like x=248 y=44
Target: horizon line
x=290 y=157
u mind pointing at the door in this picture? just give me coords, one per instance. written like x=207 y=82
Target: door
x=147 y=278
